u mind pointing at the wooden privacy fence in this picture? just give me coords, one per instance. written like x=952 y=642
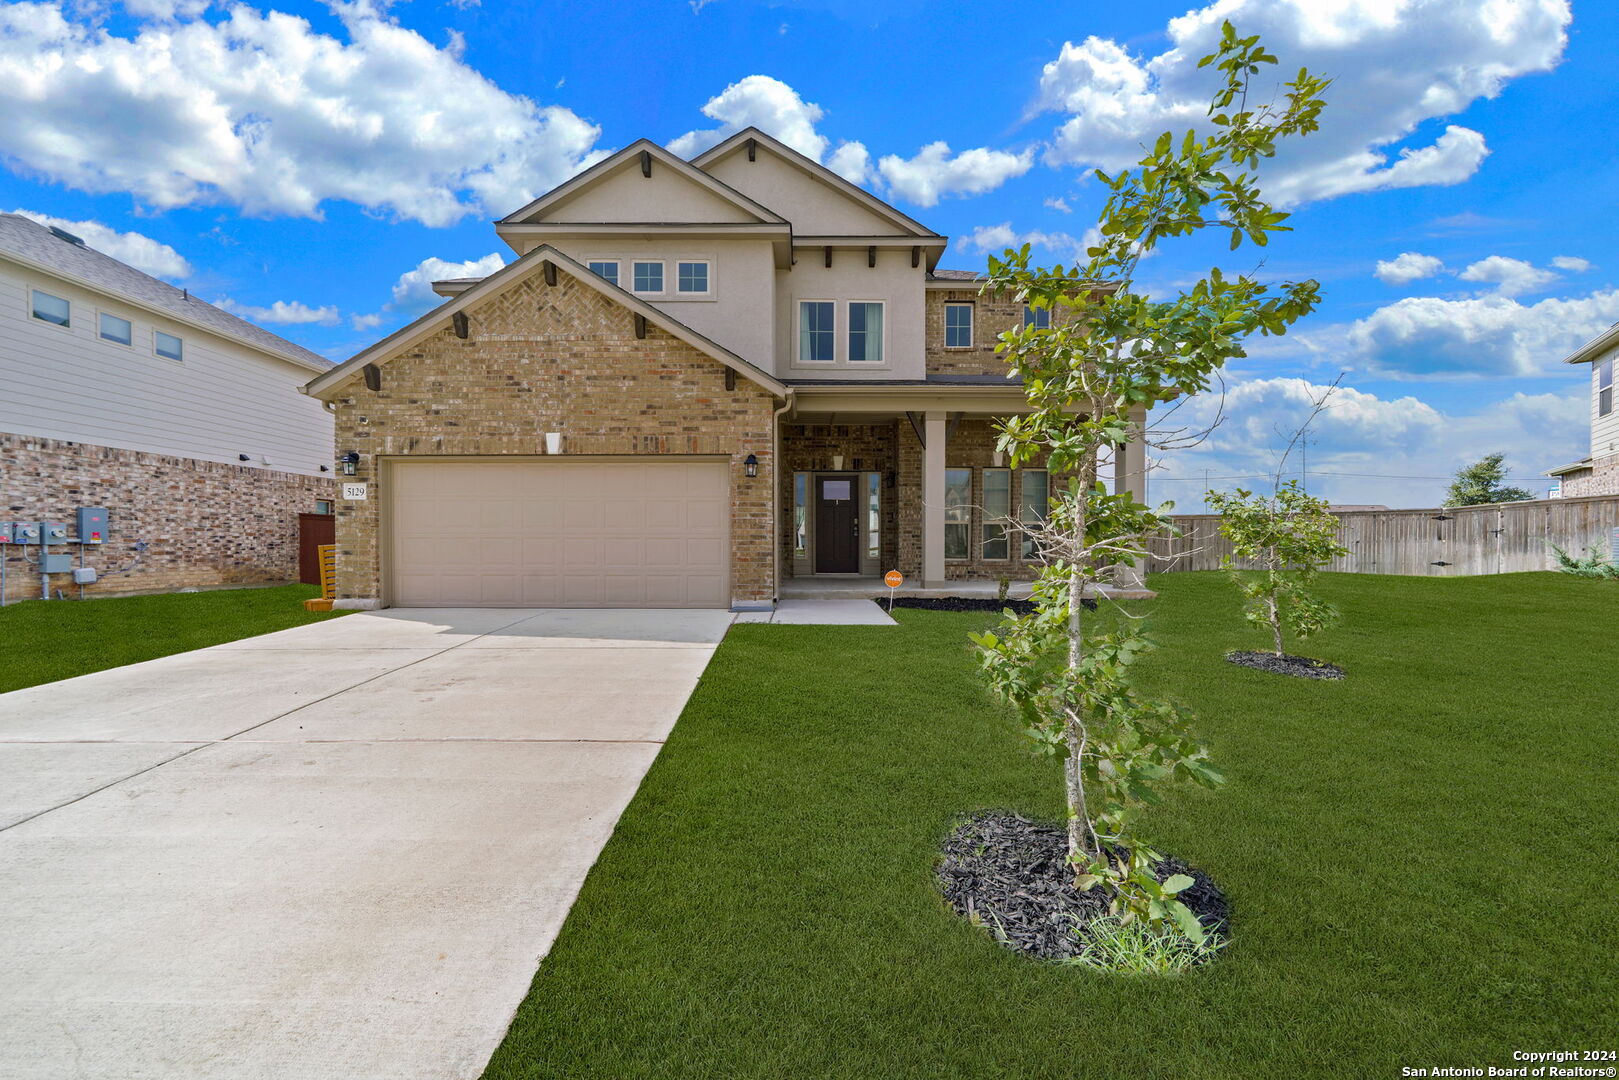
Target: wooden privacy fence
x=1500 y=538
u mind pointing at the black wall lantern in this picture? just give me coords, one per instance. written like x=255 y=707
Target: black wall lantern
x=750 y=466
x=350 y=462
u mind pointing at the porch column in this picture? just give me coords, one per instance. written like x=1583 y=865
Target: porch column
x=933 y=500
x=1130 y=474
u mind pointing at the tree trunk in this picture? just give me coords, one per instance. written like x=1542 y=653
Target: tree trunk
x=1275 y=622
x=1079 y=820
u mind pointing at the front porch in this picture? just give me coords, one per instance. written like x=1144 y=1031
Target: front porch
x=867 y=588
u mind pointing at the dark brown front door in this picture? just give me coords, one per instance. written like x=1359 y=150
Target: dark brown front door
x=837 y=526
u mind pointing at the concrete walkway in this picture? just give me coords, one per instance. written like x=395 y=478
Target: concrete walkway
x=334 y=851
x=821 y=613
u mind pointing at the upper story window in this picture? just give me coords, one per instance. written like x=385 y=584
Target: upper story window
x=649 y=277
x=1039 y=318
x=52 y=309
x=865 y=332
x=958 y=326
x=167 y=345
x=691 y=277
x=114 y=329
x=815 y=331
x=605 y=268
x=1605 y=387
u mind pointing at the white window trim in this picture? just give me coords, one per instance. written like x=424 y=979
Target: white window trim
x=130 y=344
x=663 y=276
x=171 y=359
x=864 y=365
x=798 y=333
x=706 y=294
x=972 y=324
x=68 y=300
x=618 y=265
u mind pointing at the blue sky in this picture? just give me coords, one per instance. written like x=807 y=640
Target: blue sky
x=313 y=165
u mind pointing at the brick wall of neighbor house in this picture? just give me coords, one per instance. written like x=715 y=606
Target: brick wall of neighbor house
x=207 y=524
x=562 y=358
x=865 y=448
x=970 y=446
x=1602 y=479
x=992 y=315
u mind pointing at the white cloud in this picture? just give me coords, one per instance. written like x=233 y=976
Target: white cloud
x=1408 y=266
x=1426 y=337
x=1572 y=263
x=413 y=292
x=166 y=10
x=996 y=238
x=142 y=252
x=1511 y=277
x=261 y=111
x=1060 y=205
x=1364 y=448
x=281 y=312
x=1397 y=65
x=777 y=109
x=366 y=322
x=933 y=173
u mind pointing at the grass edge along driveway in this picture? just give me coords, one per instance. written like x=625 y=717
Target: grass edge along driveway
x=1418 y=857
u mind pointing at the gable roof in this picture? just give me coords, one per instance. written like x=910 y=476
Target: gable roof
x=817 y=171
x=512 y=273
x=1594 y=348
x=28 y=242
x=613 y=163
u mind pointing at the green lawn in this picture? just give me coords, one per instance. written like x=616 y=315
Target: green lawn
x=57 y=639
x=1421 y=859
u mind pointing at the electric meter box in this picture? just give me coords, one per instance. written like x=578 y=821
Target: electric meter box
x=53 y=532
x=91 y=524
x=56 y=564
x=24 y=532
x=5 y=532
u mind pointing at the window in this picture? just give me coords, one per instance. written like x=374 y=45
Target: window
x=800 y=514
x=874 y=516
x=865 y=333
x=958 y=326
x=1605 y=387
x=1039 y=318
x=167 y=345
x=51 y=309
x=692 y=277
x=649 y=277
x=815 y=332
x=323 y=506
x=605 y=268
x=1034 y=506
x=997 y=509
x=115 y=329
x=958 y=498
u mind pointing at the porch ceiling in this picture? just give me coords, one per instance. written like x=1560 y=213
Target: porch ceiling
x=867 y=404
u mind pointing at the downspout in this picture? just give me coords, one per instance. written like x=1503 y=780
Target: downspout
x=775 y=498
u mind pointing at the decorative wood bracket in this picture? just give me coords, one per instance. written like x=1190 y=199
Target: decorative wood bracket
x=829 y=256
x=459 y=322
x=753 y=149
x=640 y=325
x=916 y=426
x=916 y=256
x=646 y=163
x=871 y=255
x=730 y=378
x=550 y=272
x=373 y=377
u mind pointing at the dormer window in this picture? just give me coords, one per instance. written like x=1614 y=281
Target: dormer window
x=1605 y=387
x=648 y=277
x=606 y=269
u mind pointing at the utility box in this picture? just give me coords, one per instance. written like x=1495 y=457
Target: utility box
x=53 y=532
x=24 y=532
x=5 y=532
x=91 y=523
x=84 y=575
x=56 y=564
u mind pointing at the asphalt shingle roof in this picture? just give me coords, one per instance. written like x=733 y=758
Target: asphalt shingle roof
x=32 y=241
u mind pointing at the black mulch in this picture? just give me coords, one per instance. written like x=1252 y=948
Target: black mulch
x=1012 y=875
x=1300 y=667
x=963 y=603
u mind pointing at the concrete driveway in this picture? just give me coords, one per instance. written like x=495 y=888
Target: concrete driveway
x=333 y=851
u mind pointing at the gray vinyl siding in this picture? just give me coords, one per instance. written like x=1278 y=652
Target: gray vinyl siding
x=1604 y=429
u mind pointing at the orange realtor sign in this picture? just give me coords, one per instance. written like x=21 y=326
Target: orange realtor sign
x=893 y=579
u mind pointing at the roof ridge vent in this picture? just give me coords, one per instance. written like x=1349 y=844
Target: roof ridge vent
x=63 y=234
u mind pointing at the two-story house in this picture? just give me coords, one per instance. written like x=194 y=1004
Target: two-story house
x=698 y=383
x=1597 y=474
x=184 y=422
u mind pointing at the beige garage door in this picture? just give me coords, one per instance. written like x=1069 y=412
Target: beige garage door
x=630 y=533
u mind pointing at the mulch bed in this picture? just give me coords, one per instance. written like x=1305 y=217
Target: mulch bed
x=1012 y=875
x=1300 y=667
x=963 y=603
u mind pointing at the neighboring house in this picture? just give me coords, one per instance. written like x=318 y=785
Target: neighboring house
x=752 y=371
x=1597 y=474
x=183 y=421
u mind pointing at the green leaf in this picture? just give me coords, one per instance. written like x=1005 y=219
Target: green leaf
x=1188 y=923
x=1178 y=883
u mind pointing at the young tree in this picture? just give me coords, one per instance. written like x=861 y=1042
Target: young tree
x=1290 y=535
x=1122 y=350
x=1482 y=482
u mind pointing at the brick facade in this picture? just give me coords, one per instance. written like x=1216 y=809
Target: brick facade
x=565 y=358
x=865 y=448
x=992 y=316
x=206 y=524
x=1601 y=479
